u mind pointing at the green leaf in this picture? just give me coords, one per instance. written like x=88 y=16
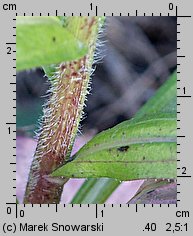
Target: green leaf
x=145 y=149
x=164 y=101
x=44 y=40
x=100 y=191
x=164 y=98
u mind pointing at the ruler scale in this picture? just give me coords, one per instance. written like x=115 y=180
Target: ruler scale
x=106 y=219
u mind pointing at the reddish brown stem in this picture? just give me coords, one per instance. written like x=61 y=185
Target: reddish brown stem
x=60 y=122
x=59 y=125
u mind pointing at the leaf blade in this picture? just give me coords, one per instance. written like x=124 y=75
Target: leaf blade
x=131 y=151
x=43 y=41
x=93 y=191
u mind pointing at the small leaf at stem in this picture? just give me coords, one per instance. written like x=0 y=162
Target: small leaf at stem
x=43 y=40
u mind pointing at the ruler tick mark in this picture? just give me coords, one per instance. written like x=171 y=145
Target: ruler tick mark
x=96 y=211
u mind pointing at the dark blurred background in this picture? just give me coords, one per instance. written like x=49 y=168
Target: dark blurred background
x=139 y=53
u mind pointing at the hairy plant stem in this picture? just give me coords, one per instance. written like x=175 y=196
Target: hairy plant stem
x=62 y=114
